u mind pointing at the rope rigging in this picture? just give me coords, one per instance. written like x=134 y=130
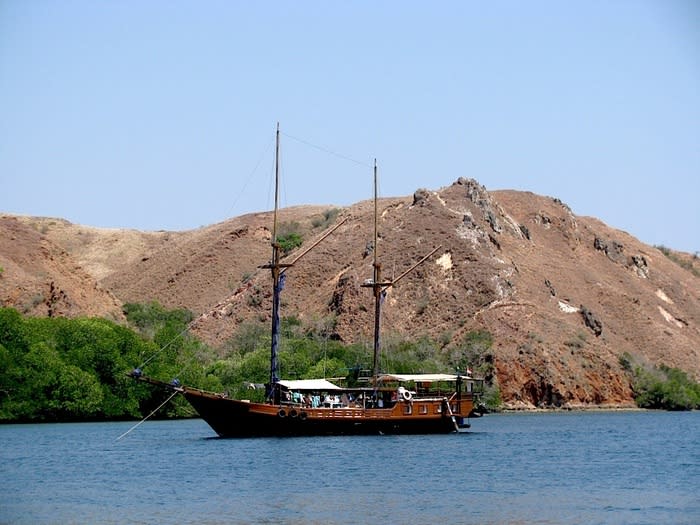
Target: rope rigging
x=247 y=181
x=326 y=150
x=250 y=176
x=149 y=415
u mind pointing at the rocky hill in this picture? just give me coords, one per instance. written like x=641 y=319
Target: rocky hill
x=563 y=296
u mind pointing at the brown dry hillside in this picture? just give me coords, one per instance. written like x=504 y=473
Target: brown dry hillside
x=45 y=276
x=564 y=296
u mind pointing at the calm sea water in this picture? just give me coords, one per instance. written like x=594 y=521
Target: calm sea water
x=632 y=467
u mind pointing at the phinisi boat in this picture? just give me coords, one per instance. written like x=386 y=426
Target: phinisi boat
x=385 y=404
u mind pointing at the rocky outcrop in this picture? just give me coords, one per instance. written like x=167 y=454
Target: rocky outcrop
x=420 y=197
x=591 y=321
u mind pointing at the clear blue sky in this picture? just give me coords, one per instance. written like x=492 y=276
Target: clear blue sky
x=161 y=115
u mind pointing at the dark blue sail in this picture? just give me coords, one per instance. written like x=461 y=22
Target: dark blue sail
x=274 y=349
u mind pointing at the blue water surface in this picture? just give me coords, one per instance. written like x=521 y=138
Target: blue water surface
x=585 y=467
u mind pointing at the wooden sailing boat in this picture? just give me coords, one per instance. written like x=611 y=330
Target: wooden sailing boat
x=390 y=404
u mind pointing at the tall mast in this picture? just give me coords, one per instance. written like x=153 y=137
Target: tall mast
x=277 y=189
x=377 y=285
x=377 y=288
x=277 y=283
x=278 y=269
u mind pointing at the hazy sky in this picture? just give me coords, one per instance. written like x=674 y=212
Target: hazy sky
x=161 y=115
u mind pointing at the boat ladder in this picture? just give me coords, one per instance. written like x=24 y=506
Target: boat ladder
x=449 y=411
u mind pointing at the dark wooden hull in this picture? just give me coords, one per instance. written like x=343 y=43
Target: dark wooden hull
x=239 y=418
x=235 y=418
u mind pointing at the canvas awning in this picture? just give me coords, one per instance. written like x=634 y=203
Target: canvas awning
x=309 y=384
x=418 y=378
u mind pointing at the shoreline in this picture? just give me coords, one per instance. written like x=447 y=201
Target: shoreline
x=577 y=408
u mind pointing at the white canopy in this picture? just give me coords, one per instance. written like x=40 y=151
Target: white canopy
x=422 y=378
x=309 y=384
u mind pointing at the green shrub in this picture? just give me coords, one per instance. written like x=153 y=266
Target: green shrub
x=625 y=361
x=58 y=369
x=473 y=352
x=289 y=242
x=288 y=237
x=491 y=398
x=665 y=388
x=150 y=317
x=687 y=265
x=329 y=217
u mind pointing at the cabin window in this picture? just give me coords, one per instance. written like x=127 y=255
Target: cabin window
x=438 y=409
x=408 y=410
x=424 y=409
